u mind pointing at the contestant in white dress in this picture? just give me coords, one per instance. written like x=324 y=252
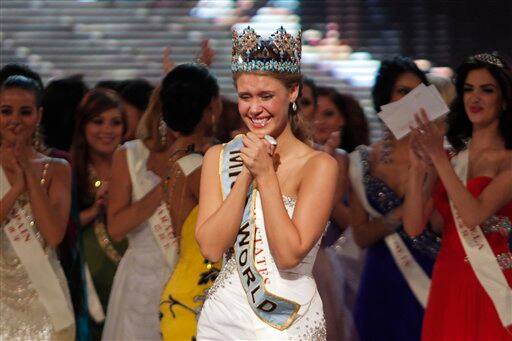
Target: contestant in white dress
x=182 y=109
x=275 y=200
x=35 y=199
x=137 y=210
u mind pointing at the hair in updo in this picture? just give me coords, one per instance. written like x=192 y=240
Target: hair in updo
x=185 y=93
x=24 y=83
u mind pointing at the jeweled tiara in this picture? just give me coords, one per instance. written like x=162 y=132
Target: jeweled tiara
x=279 y=53
x=489 y=59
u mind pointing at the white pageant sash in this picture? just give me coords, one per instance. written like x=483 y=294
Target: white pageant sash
x=160 y=221
x=480 y=255
x=144 y=181
x=162 y=229
x=416 y=278
x=36 y=263
x=93 y=300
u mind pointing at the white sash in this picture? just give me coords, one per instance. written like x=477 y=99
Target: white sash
x=480 y=255
x=416 y=278
x=93 y=301
x=144 y=181
x=163 y=231
x=160 y=221
x=36 y=263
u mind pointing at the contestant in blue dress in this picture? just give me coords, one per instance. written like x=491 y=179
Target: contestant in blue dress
x=395 y=281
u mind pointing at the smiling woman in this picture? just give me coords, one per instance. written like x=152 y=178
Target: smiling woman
x=35 y=201
x=267 y=220
x=471 y=203
x=100 y=126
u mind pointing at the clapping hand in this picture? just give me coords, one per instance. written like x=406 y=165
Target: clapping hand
x=427 y=137
x=11 y=163
x=100 y=198
x=257 y=155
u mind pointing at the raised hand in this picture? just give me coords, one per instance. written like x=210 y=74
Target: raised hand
x=419 y=159
x=167 y=63
x=428 y=137
x=21 y=156
x=257 y=155
x=206 y=54
x=10 y=163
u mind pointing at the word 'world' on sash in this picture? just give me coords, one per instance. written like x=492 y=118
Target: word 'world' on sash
x=276 y=311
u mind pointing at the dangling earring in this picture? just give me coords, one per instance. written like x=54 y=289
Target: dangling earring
x=162 y=131
x=36 y=139
x=294 y=106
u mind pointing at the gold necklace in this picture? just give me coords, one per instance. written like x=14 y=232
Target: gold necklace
x=94 y=178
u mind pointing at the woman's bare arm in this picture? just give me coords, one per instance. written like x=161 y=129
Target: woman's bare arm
x=123 y=215
x=218 y=221
x=51 y=210
x=290 y=240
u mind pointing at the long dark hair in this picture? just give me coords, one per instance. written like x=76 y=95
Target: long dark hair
x=387 y=75
x=94 y=103
x=60 y=102
x=460 y=128
x=355 y=131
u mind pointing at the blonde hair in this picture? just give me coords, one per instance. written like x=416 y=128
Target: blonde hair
x=300 y=127
x=445 y=87
x=147 y=129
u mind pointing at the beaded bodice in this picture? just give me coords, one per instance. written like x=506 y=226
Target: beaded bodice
x=22 y=314
x=384 y=199
x=380 y=196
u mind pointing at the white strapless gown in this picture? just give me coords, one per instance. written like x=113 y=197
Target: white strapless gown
x=226 y=314
x=133 y=307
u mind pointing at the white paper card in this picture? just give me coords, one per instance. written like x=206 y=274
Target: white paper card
x=399 y=115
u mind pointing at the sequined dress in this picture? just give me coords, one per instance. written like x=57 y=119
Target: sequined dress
x=458 y=307
x=22 y=315
x=385 y=307
x=227 y=315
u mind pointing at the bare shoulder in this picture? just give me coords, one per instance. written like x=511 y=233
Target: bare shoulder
x=505 y=161
x=57 y=167
x=119 y=155
x=320 y=161
x=59 y=171
x=212 y=154
x=59 y=163
x=213 y=151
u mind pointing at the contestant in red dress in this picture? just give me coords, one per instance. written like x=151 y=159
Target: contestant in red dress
x=464 y=302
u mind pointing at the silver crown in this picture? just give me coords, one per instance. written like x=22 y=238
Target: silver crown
x=280 y=53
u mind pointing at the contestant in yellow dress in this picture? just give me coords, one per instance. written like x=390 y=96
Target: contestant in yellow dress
x=185 y=291
x=191 y=124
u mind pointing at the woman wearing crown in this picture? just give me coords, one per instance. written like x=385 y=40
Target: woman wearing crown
x=471 y=293
x=266 y=219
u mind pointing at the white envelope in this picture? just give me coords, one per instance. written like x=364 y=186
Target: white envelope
x=399 y=115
